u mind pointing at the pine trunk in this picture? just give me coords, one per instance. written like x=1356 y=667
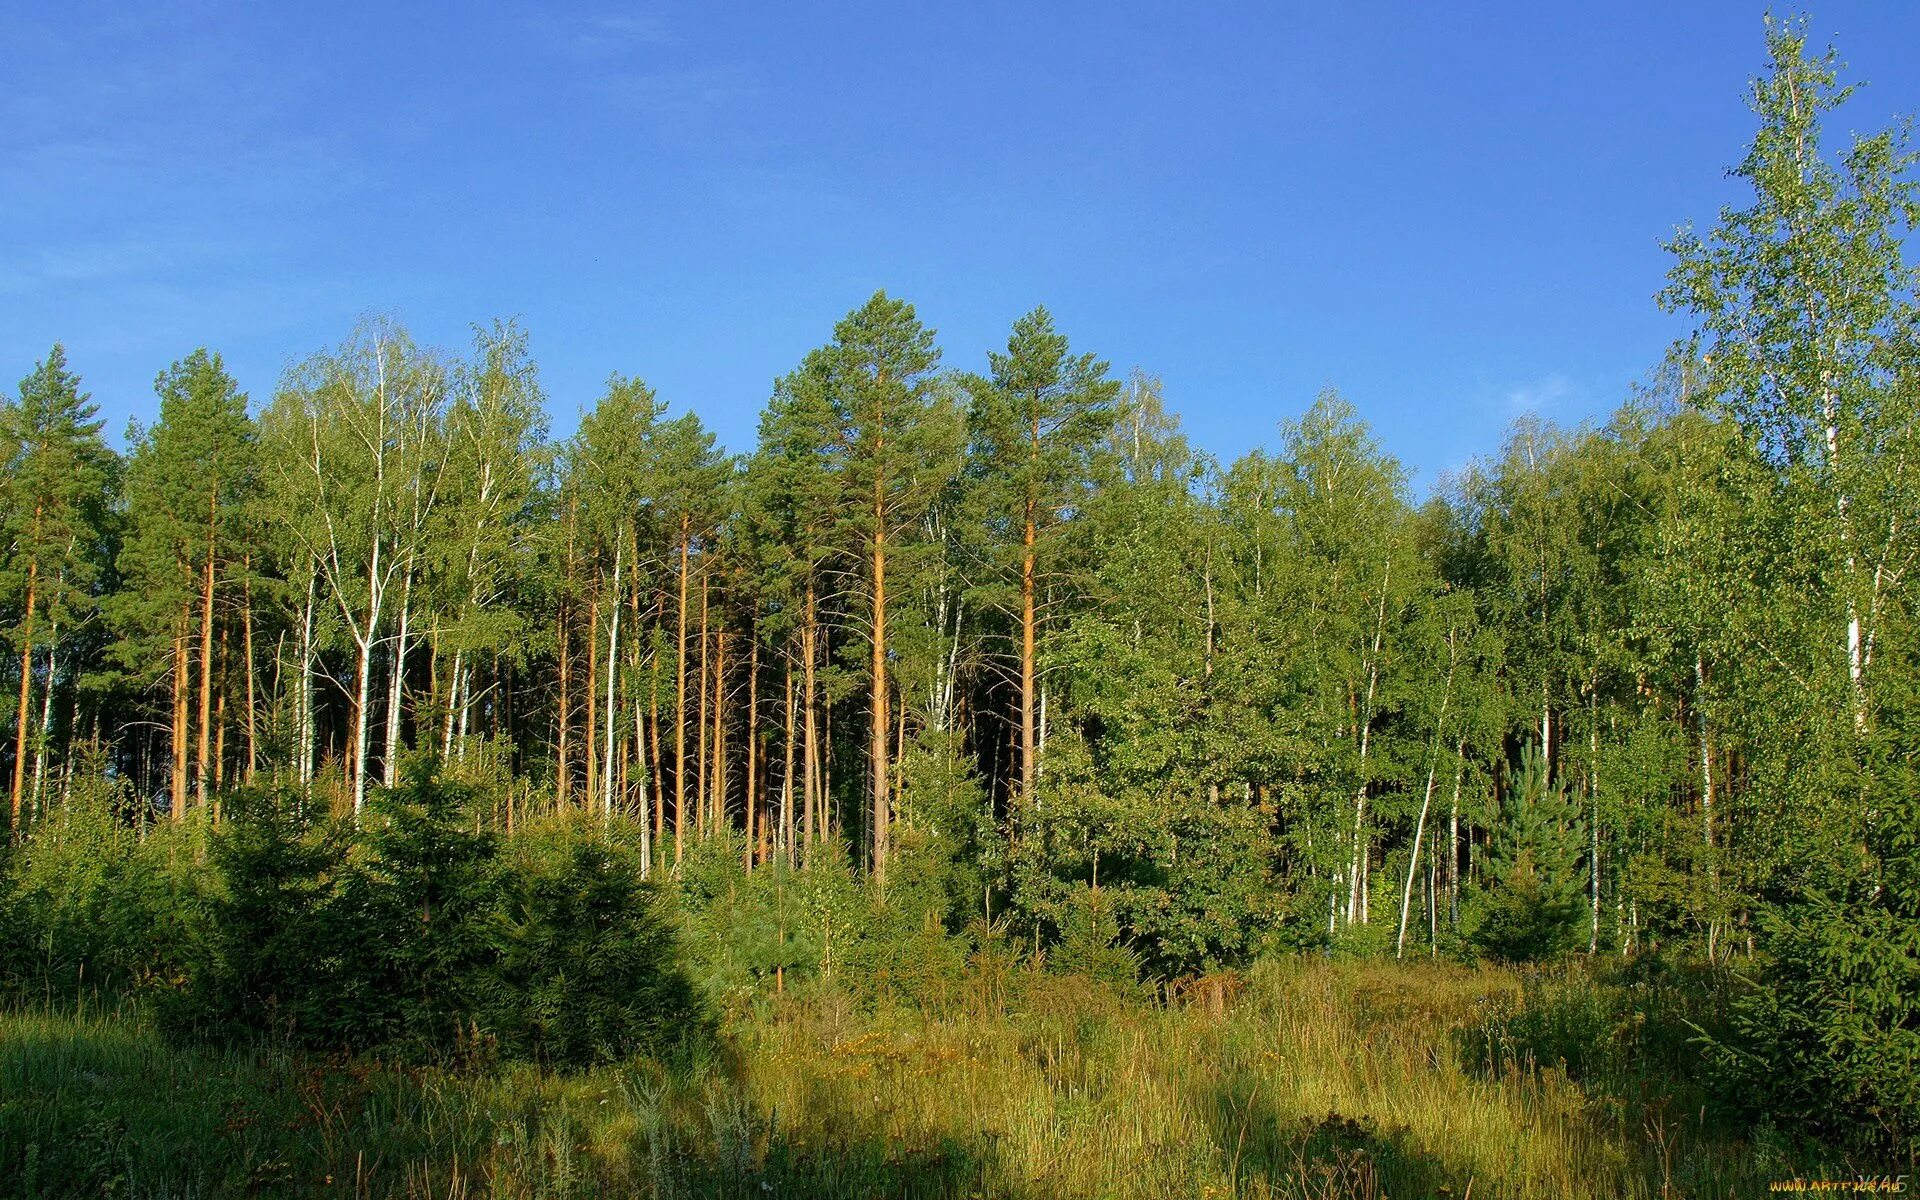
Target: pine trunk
x=809 y=635
x=753 y=743
x=877 y=747
x=653 y=731
x=179 y=747
x=700 y=748
x=246 y=638
x=563 y=747
x=718 y=792
x=26 y=693
x=680 y=701
x=1029 y=734
x=613 y=670
x=786 y=774
x=203 y=774
x=593 y=703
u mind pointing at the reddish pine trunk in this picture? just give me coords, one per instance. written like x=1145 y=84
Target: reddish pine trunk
x=753 y=745
x=680 y=701
x=26 y=690
x=179 y=746
x=877 y=745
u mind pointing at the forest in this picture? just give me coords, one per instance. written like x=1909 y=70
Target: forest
x=975 y=788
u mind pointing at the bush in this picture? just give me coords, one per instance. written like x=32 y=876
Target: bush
x=1828 y=1035
x=418 y=937
x=588 y=969
x=88 y=905
x=262 y=961
x=1530 y=906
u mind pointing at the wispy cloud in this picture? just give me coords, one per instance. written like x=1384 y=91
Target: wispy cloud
x=600 y=36
x=676 y=93
x=634 y=60
x=1540 y=395
x=605 y=35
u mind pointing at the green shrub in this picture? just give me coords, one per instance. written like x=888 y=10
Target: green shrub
x=89 y=905
x=1531 y=904
x=418 y=936
x=264 y=960
x=588 y=970
x=1825 y=1038
x=1828 y=1035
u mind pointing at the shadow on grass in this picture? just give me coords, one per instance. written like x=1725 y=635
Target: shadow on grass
x=93 y=1109
x=1352 y=1158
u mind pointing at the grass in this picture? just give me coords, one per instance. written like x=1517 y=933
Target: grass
x=1315 y=1079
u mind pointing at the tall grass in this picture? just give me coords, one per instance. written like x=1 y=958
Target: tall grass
x=1314 y=1079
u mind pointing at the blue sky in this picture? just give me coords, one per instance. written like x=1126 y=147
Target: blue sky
x=1452 y=212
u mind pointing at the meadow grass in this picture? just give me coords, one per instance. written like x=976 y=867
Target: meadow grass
x=1305 y=1079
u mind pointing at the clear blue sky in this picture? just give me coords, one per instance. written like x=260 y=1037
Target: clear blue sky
x=1450 y=211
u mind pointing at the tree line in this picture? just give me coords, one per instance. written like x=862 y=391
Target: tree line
x=1611 y=689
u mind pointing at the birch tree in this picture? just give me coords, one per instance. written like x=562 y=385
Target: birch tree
x=354 y=458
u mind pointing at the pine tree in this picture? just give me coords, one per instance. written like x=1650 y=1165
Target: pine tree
x=900 y=435
x=57 y=479
x=191 y=482
x=1530 y=905
x=1035 y=421
x=687 y=497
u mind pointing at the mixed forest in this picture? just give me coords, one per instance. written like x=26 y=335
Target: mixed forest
x=367 y=717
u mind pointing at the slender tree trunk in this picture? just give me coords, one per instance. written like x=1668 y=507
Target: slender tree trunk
x=563 y=749
x=1706 y=796
x=451 y=714
x=653 y=730
x=593 y=703
x=639 y=716
x=1453 y=838
x=1593 y=805
x=680 y=701
x=700 y=750
x=753 y=741
x=246 y=637
x=308 y=731
x=829 y=819
x=809 y=636
x=202 y=774
x=877 y=749
x=613 y=670
x=397 y=683
x=719 y=790
x=179 y=747
x=1357 y=896
x=362 y=688
x=220 y=721
x=1029 y=738
x=786 y=774
x=46 y=715
x=1433 y=904
x=26 y=688
x=463 y=701
x=1426 y=800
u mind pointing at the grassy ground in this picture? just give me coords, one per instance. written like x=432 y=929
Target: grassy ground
x=1310 y=1079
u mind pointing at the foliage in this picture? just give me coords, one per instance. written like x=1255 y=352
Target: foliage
x=962 y=672
x=1318 y=1080
x=1528 y=906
